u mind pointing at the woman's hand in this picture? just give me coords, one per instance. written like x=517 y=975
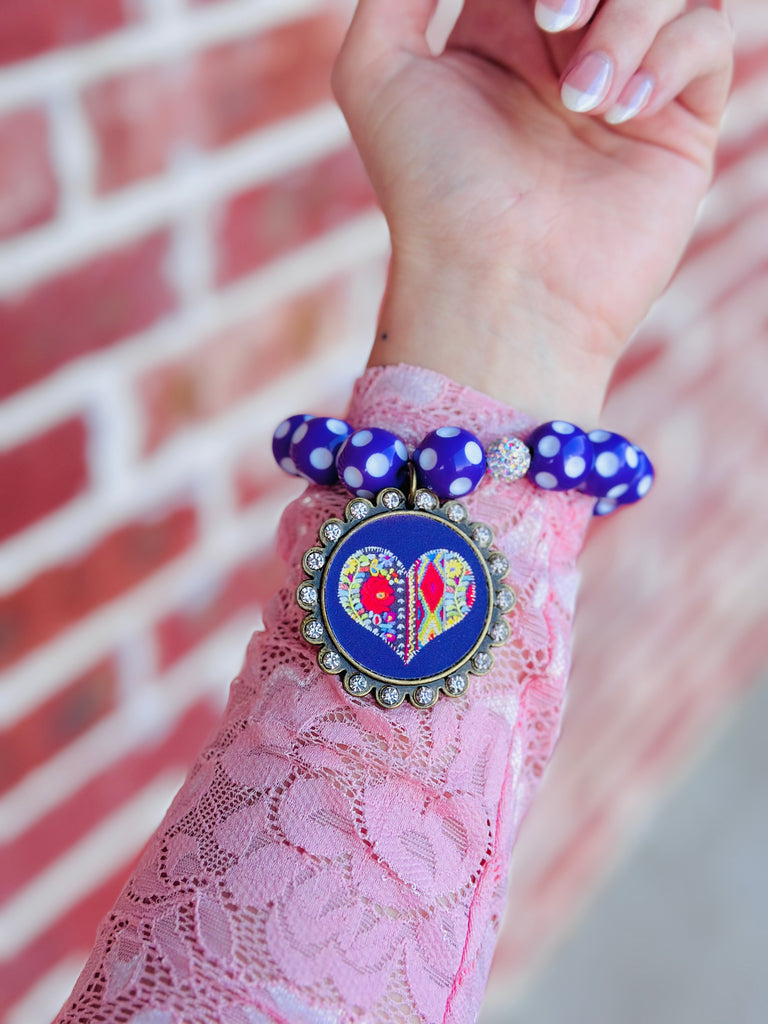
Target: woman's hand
x=530 y=239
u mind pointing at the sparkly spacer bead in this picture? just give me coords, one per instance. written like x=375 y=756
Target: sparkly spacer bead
x=281 y=442
x=508 y=458
x=561 y=456
x=370 y=460
x=314 y=446
x=450 y=461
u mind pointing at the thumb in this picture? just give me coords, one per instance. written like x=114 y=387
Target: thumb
x=383 y=31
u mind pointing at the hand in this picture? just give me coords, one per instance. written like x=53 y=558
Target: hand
x=529 y=239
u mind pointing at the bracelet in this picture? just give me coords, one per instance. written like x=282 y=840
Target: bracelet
x=405 y=596
x=450 y=461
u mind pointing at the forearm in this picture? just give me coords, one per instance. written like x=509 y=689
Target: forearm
x=328 y=855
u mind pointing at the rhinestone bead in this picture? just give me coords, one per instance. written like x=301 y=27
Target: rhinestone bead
x=456 y=685
x=392 y=499
x=505 y=599
x=498 y=565
x=508 y=458
x=499 y=632
x=425 y=501
x=389 y=696
x=314 y=446
x=371 y=459
x=308 y=595
x=313 y=630
x=482 y=661
x=562 y=456
x=450 y=461
x=456 y=512
x=331 y=661
x=314 y=560
x=281 y=442
x=359 y=509
x=482 y=535
x=423 y=696
x=331 y=532
x=358 y=684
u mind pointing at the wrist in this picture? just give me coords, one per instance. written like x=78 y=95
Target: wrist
x=500 y=333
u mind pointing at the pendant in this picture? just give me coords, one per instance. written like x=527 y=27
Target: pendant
x=406 y=598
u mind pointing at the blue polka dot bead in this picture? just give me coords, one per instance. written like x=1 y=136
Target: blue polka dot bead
x=450 y=461
x=641 y=482
x=370 y=460
x=281 y=441
x=561 y=456
x=616 y=464
x=313 y=448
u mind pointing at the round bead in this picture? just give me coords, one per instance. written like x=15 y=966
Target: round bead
x=616 y=463
x=561 y=456
x=371 y=460
x=313 y=448
x=450 y=461
x=641 y=482
x=508 y=458
x=281 y=441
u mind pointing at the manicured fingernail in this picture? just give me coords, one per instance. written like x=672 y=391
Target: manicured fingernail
x=556 y=16
x=634 y=97
x=587 y=84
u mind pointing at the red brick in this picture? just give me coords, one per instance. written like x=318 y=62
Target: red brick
x=249 y=585
x=72 y=818
x=236 y=364
x=30 y=27
x=41 y=475
x=143 y=118
x=267 y=222
x=58 y=721
x=85 y=309
x=28 y=190
x=60 y=596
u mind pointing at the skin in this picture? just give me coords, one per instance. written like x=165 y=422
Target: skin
x=529 y=241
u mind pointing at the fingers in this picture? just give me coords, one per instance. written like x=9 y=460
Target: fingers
x=634 y=58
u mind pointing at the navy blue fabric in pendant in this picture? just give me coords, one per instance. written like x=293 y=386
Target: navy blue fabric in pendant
x=406 y=597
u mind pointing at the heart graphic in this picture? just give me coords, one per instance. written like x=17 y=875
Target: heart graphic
x=406 y=608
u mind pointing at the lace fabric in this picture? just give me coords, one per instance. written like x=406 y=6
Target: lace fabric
x=329 y=861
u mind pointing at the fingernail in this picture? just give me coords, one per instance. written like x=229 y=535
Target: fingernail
x=635 y=96
x=556 y=16
x=586 y=85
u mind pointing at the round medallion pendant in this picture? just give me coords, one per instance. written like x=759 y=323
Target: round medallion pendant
x=405 y=601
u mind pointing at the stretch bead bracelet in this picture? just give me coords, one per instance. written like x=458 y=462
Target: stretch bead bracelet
x=451 y=462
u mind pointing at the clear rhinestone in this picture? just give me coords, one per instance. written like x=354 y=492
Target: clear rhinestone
x=314 y=560
x=456 y=685
x=500 y=632
x=358 y=684
x=456 y=512
x=308 y=595
x=509 y=458
x=498 y=565
x=423 y=696
x=331 y=661
x=331 y=532
x=505 y=599
x=425 y=501
x=391 y=499
x=359 y=509
x=482 y=535
x=482 y=661
x=313 y=630
x=389 y=696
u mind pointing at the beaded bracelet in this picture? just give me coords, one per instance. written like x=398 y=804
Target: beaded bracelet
x=405 y=596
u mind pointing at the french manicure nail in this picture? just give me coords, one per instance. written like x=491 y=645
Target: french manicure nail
x=587 y=84
x=635 y=96
x=556 y=16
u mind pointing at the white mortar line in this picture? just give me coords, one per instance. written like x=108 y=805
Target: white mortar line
x=150 y=205
x=150 y=713
x=159 y=39
x=85 y=866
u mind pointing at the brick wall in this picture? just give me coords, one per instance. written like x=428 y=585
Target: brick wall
x=188 y=246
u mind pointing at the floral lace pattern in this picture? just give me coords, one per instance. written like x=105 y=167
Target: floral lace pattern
x=329 y=861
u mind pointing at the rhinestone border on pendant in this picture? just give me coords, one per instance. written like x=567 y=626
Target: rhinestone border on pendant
x=335 y=659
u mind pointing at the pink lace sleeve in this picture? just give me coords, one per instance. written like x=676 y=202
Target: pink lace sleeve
x=331 y=861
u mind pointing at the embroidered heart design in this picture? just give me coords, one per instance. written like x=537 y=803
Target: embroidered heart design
x=406 y=608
